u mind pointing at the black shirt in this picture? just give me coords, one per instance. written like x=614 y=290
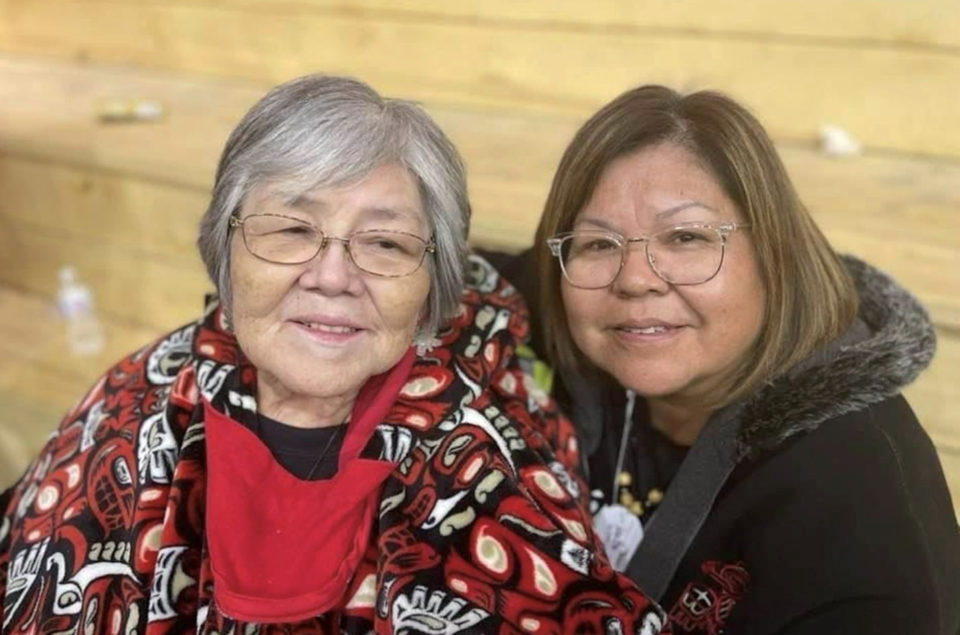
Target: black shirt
x=298 y=449
x=650 y=461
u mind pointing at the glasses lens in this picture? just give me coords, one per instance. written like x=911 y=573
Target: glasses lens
x=389 y=254
x=687 y=254
x=280 y=239
x=590 y=260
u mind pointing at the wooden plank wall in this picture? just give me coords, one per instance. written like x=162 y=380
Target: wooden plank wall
x=870 y=65
x=509 y=80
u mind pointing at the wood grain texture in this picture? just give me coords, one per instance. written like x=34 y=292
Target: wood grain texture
x=935 y=397
x=929 y=23
x=795 y=86
x=131 y=285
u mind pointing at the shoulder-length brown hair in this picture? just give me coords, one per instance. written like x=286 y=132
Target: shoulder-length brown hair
x=810 y=298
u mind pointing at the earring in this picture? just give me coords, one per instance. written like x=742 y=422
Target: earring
x=425 y=341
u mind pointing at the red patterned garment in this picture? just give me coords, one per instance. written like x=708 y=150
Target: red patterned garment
x=481 y=526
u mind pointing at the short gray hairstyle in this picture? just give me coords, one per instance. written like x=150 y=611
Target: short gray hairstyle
x=325 y=131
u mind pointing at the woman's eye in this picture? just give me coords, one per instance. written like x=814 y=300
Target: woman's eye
x=384 y=244
x=291 y=230
x=681 y=237
x=599 y=246
x=296 y=231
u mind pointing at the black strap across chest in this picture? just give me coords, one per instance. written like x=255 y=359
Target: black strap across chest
x=687 y=504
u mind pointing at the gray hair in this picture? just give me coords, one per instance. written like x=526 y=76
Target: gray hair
x=322 y=131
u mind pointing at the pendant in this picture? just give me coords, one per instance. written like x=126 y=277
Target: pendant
x=621 y=532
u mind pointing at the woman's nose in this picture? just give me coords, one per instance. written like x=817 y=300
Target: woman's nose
x=638 y=275
x=332 y=270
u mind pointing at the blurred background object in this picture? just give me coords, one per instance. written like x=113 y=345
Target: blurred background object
x=113 y=112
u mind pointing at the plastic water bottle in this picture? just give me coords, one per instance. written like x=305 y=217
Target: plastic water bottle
x=75 y=301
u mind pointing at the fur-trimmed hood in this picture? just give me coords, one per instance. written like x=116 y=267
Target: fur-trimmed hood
x=891 y=343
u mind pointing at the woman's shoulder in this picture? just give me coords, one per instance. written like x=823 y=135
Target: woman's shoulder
x=885 y=435
x=857 y=478
x=885 y=465
x=881 y=446
x=860 y=501
x=864 y=476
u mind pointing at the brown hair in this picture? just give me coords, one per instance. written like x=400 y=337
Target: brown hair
x=810 y=298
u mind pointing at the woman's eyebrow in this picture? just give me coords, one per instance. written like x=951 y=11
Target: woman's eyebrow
x=676 y=209
x=307 y=203
x=389 y=213
x=667 y=213
x=303 y=202
x=598 y=222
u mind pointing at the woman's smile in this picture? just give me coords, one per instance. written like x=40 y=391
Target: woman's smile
x=646 y=332
x=328 y=330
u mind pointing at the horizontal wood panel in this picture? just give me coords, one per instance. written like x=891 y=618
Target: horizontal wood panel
x=122 y=213
x=856 y=22
x=34 y=335
x=517 y=154
x=49 y=109
x=795 y=87
x=130 y=284
x=935 y=396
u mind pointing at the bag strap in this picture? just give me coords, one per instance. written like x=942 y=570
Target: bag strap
x=687 y=503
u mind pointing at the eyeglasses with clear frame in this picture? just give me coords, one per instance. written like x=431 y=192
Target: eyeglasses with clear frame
x=285 y=240
x=685 y=254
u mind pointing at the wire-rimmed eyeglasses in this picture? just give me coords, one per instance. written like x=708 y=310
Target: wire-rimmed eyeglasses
x=685 y=254
x=285 y=240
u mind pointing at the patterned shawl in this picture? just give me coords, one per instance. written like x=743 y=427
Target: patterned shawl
x=481 y=527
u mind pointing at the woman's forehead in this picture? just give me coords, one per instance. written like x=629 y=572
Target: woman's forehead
x=386 y=194
x=655 y=187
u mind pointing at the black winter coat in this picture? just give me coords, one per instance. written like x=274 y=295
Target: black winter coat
x=837 y=517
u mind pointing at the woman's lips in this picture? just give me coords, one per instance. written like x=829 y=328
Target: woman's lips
x=647 y=333
x=331 y=333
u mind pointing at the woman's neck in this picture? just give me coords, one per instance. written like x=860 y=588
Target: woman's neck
x=679 y=422
x=302 y=411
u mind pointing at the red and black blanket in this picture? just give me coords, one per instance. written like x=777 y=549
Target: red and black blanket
x=480 y=527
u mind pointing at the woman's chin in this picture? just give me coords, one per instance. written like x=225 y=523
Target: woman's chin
x=327 y=384
x=651 y=385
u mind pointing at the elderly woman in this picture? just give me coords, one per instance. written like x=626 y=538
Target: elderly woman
x=737 y=384
x=299 y=459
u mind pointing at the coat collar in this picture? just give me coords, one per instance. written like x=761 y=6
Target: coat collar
x=890 y=344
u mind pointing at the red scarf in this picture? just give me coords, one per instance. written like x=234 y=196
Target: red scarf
x=262 y=520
